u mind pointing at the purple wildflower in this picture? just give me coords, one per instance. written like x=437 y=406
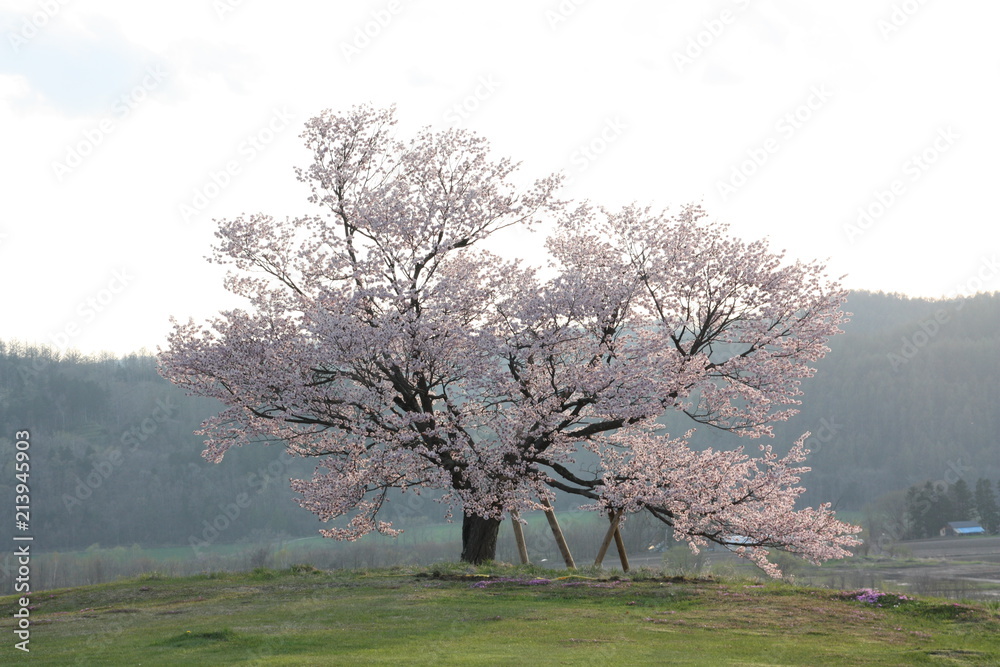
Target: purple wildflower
x=868 y=596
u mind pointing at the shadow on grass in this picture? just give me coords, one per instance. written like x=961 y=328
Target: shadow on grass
x=193 y=639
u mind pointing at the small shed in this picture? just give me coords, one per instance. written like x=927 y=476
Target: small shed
x=961 y=528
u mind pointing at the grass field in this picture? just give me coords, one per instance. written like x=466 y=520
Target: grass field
x=498 y=615
x=418 y=545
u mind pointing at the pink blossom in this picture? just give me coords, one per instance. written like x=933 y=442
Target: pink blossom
x=382 y=337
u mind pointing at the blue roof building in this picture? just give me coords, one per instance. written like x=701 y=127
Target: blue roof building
x=963 y=528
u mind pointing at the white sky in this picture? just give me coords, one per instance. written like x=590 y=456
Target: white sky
x=95 y=253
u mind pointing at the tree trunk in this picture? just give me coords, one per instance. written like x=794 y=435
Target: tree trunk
x=479 y=539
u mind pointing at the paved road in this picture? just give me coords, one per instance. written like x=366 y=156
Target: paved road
x=955 y=548
x=971 y=562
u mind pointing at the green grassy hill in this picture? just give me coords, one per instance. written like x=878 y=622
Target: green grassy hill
x=498 y=615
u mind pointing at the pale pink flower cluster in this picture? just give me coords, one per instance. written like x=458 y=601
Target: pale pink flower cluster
x=383 y=338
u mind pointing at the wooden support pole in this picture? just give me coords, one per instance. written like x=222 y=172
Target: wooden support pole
x=606 y=542
x=558 y=534
x=622 y=556
x=522 y=548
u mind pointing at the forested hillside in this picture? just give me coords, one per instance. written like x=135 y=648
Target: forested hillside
x=909 y=393
x=115 y=461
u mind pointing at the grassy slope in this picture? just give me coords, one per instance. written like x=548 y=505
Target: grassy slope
x=414 y=617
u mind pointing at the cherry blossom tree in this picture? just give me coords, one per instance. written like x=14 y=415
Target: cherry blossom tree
x=382 y=337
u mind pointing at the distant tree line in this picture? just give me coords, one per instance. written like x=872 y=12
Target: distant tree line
x=931 y=506
x=907 y=393
x=116 y=461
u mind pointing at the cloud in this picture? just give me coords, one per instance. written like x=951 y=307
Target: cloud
x=201 y=65
x=75 y=68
